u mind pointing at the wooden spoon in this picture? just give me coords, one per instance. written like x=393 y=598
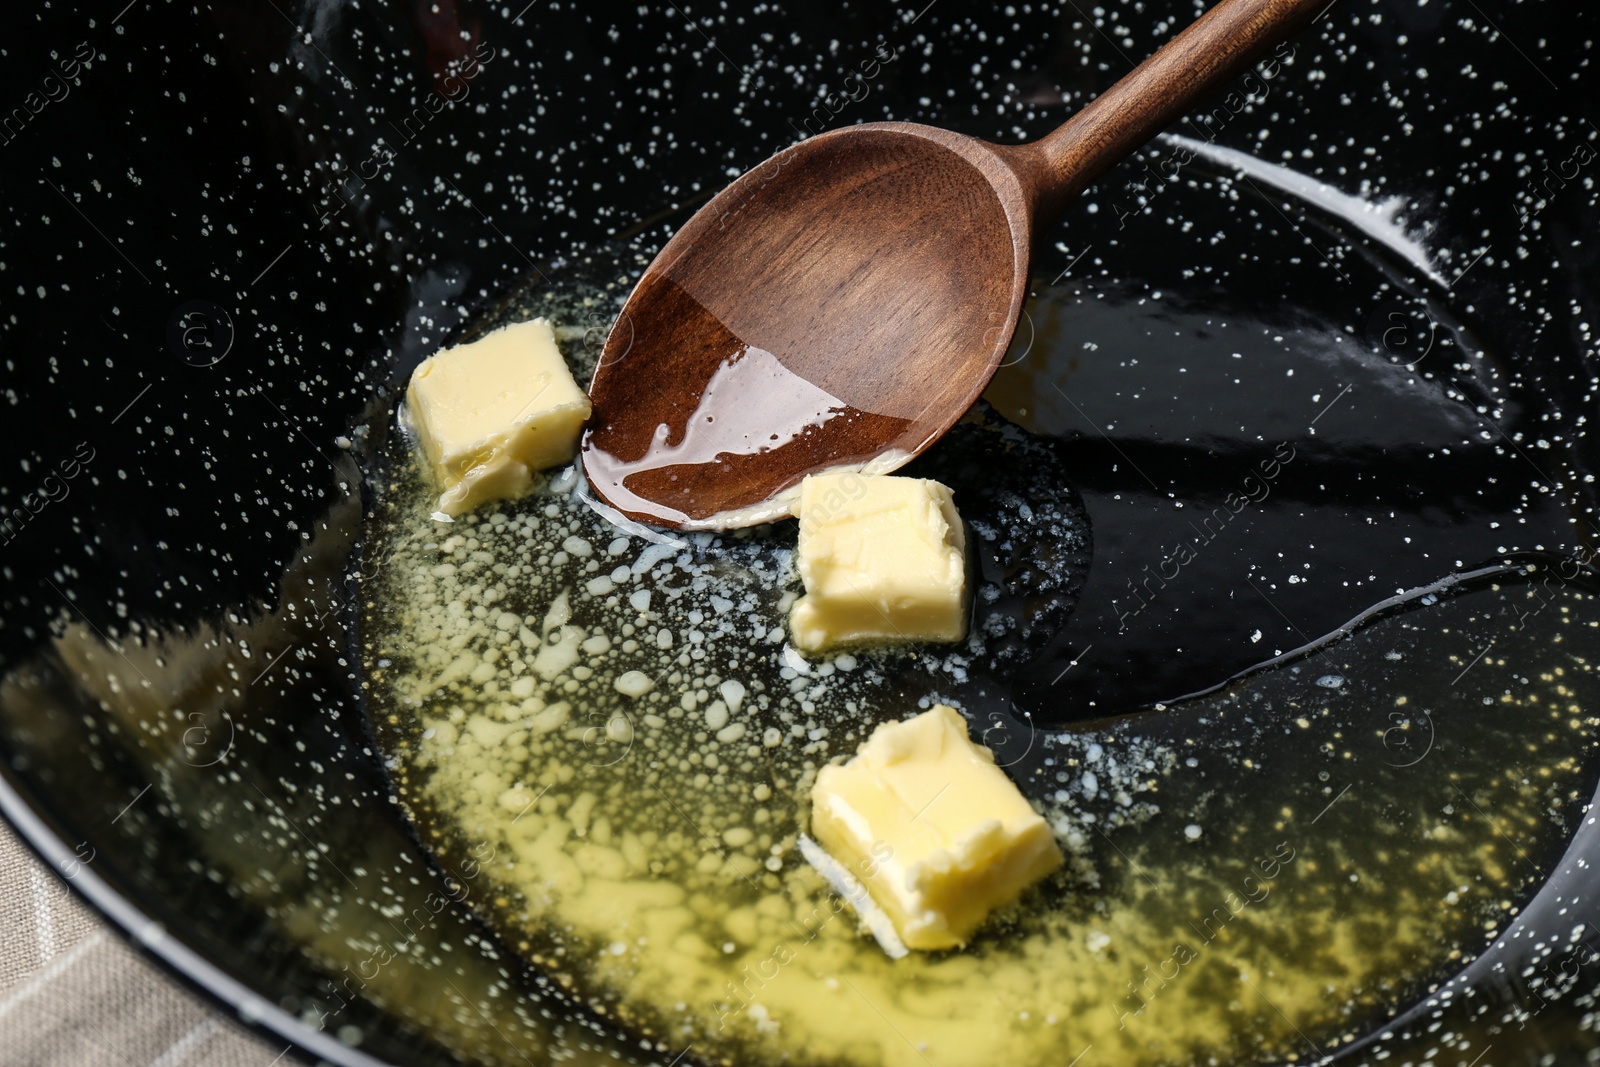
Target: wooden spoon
x=841 y=305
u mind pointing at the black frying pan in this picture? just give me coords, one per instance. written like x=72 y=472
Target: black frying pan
x=230 y=234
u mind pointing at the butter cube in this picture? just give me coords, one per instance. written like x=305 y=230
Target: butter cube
x=882 y=558
x=490 y=413
x=936 y=832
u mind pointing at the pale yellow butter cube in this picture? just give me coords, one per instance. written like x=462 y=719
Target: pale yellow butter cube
x=936 y=832
x=882 y=558
x=490 y=413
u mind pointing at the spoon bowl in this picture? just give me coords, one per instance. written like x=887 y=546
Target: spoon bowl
x=841 y=305
x=778 y=331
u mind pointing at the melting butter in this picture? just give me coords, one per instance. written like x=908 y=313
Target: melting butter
x=936 y=832
x=490 y=413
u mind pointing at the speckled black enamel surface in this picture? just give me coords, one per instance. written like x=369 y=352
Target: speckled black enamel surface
x=229 y=231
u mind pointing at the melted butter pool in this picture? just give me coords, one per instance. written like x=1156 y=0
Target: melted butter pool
x=615 y=730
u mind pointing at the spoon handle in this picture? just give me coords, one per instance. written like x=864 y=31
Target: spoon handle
x=1190 y=67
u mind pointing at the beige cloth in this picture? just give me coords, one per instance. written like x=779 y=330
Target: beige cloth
x=73 y=994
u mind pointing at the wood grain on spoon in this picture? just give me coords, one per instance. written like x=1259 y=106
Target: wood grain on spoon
x=846 y=301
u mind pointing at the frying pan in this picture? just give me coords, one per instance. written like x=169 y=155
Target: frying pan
x=231 y=232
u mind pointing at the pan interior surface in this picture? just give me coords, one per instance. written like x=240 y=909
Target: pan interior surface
x=1328 y=348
